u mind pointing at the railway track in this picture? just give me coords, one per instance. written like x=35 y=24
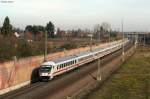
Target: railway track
x=43 y=89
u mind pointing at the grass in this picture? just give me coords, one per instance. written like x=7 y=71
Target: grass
x=132 y=81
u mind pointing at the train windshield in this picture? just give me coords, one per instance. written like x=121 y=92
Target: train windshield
x=45 y=68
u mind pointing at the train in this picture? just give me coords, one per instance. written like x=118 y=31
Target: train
x=50 y=69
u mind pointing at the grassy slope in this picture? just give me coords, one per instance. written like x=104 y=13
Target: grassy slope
x=132 y=81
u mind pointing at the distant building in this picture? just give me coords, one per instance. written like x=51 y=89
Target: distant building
x=17 y=35
x=28 y=36
x=39 y=36
x=61 y=33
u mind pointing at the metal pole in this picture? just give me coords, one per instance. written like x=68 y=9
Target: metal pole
x=99 y=35
x=109 y=36
x=91 y=43
x=123 y=42
x=99 y=71
x=144 y=39
x=45 y=53
x=135 y=41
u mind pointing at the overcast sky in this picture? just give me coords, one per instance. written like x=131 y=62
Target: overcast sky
x=73 y=14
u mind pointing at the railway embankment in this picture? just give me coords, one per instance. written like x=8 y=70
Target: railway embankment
x=65 y=86
x=107 y=70
x=18 y=73
x=131 y=81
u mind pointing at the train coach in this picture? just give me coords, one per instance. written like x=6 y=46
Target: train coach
x=48 y=70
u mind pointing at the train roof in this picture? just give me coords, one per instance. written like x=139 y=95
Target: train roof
x=47 y=63
x=80 y=55
x=63 y=59
x=72 y=57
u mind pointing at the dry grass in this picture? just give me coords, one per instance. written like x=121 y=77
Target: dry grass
x=132 y=81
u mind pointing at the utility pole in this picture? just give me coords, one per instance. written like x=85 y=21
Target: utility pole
x=109 y=36
x=99 y=71
x=136 y=40
x=144 y=39
x=91 y=37
x=99 y=63
x=123 y=42
x=45 y=52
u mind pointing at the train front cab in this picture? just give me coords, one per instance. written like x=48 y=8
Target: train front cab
x=45 y=71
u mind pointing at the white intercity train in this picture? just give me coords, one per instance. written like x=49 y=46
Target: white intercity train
x=48 y=70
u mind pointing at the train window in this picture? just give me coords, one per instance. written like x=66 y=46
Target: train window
x=65 y=65
x=68 y=64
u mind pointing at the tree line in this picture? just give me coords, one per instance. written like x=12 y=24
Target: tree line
x=11 y=46
x=36 y=29
x=7 y=29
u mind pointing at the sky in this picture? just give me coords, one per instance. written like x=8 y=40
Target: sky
x=73 y=14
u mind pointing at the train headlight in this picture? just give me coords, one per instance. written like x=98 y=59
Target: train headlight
x=44 y=74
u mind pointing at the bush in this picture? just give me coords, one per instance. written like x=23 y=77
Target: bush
x=68 y=46
x=10 y=47
x=24 y=49
x=7 y=49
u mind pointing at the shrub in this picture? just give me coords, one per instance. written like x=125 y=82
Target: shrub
x=7 y=49
x=23 y=49
x=68 y=46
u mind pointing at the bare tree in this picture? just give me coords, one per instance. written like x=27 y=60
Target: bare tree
x=97 y=31
x=102 y=30
x=106 y=26
x=106 y=30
